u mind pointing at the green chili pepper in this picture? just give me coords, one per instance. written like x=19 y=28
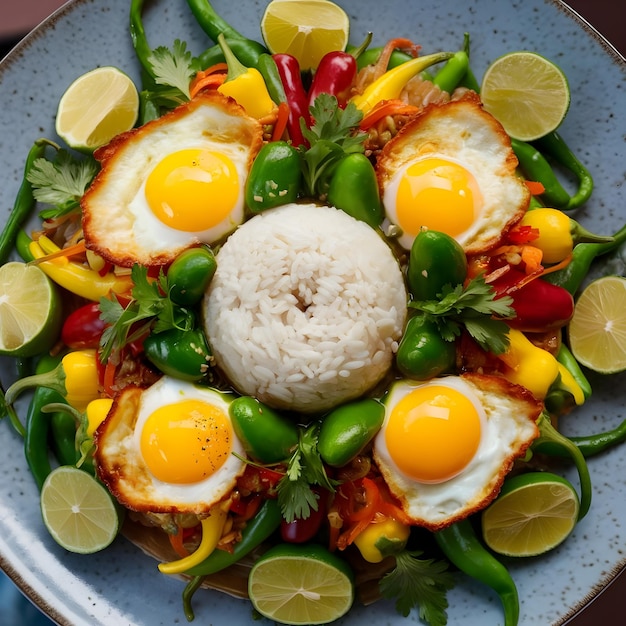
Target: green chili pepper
x=551 y=439
x=436 y=260
x=371 y=55
x=22 y=243
x=63 y=431
x=346 y=430
x=462 y=547
x=554 y=146
x=183 y=354
x=23 y=205
x=38 y=424
x=6 y=410
x=189 y=275
x=140 y=41
x=267 y=436
x=268 y=69
x=246 y=50
x=257 y=530
x=188 y=592
x=450 y=75
x=423 y=353
x=354 y=189
x=536 y=168
x=274 y=177
x=572 y=276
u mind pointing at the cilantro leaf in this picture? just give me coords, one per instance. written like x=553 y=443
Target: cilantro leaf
x=333 y=134
x=304 y=469
x=61 y=182
x=419 y=583
x=472 y=307
x=174 y=68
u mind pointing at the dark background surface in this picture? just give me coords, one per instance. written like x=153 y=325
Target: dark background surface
x=607 y=16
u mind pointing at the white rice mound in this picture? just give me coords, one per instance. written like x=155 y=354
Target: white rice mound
x=306 y=308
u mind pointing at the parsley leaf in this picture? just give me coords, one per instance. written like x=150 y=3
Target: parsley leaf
x=305 y=468
x=471 y=307
x=150 y=304
x=333 y=134
x=61 y=182
x=421 y=583
x=174 y=68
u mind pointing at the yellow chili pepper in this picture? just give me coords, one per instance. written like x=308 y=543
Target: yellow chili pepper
x=391 y=83
x=528 y=365
x=96 y=411
x=390 y=530
x=212 y=528
x=75 y=378
x=76 y=277
x=569 y=383
x=245 y=85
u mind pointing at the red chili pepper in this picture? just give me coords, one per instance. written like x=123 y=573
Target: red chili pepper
x=335 y=75
x=539 y=305
x=289 y=72
x=83 y=327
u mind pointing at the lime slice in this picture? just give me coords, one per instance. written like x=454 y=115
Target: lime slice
x=597 y=330
x=534 y=513
x=30 y=310
x=301 y=584
x=96 y=107
x=306 y=29
x=78 y=511
x=526 y=93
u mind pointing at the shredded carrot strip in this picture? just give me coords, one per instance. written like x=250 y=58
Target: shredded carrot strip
x=176 y=542
x=109 y=378
x=77 y=248
x=282 y=117
x=385 y=108
x=558 y=266
x=213 y=76
x=536 y=188
x=532 y=256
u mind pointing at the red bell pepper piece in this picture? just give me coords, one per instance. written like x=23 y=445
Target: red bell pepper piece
x=539 y=305
x=289 y=72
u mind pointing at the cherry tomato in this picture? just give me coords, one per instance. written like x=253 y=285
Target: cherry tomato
x=83 y=327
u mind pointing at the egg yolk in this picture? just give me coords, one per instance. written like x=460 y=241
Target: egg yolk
x=439 y=194
x=193 y=190
x=433 y=433
x=186 y=442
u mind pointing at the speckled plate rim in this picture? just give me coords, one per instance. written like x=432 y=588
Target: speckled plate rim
x=55 y=608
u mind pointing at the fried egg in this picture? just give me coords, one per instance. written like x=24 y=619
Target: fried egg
x=170 y=448
x=452 y=169
x=446 y=446
x=172 y=183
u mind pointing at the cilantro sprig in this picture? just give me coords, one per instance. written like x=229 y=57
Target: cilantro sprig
x=418 y=583
x=304 y=469
x=472 y=307
x=149 y=309
x=174 y=68
x=333 y=134
x=61 y=182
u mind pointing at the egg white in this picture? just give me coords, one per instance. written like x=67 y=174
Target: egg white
x=121 y=466
x=117 y=220
x=508 y=417
x=462 y=132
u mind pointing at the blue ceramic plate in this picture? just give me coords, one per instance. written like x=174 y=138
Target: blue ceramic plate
x=122 y=585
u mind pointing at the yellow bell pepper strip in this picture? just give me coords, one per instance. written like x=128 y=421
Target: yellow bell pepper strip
x=568 y=383
x=245 y=85
x=75 y=277
x=212 y=527
x=75 y=378
x=528 y=365
x=379 y=534
x=96 y=411
x=391 y=83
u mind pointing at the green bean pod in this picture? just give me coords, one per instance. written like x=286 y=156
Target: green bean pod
x=23 y=205
x=267 y=436
x=462 y=547
x=274 y=177
x=346 y=430
x=354 y=189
